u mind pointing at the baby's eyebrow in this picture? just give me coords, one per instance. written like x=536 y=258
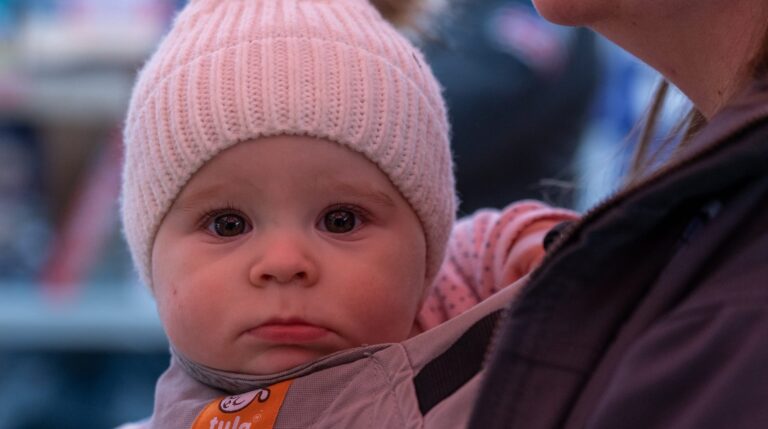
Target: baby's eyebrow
x=193 y=200
x=361 y=192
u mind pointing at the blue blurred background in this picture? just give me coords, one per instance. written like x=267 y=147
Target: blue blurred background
x=538 y=111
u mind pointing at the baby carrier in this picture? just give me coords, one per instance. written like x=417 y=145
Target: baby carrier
x=428 y=381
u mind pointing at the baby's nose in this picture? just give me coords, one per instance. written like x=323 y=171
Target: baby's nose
x=284 y=263
x=283 y=276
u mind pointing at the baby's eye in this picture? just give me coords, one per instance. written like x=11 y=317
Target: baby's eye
x=340 y=221
x=228 y=225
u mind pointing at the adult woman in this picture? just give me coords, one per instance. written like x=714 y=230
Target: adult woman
x=652 y=312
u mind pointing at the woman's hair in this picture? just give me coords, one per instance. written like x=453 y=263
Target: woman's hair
x=648 y=153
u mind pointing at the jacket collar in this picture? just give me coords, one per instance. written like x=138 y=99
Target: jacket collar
x=747 y=108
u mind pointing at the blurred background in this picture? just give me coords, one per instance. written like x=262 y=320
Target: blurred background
x=538 y=111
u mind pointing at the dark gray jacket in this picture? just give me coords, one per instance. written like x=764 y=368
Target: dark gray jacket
x=652 y=312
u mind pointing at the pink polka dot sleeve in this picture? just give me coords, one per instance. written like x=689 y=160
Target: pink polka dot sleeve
x=488 y=251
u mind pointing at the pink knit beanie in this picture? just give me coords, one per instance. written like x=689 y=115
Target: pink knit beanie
x=236 y=70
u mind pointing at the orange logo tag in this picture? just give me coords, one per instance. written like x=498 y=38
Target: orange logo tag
x=252 y=410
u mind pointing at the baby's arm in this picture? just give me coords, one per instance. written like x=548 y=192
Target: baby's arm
x=488 y=251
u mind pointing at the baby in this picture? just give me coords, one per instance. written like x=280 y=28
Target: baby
x=288 y=188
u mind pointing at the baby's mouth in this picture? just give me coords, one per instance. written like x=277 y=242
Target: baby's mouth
x=288 y=331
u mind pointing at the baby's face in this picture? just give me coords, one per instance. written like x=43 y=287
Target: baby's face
x=283 y=250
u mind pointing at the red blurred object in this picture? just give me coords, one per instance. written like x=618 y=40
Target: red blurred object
x=89 y=223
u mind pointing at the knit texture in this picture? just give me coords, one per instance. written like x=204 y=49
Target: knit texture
x=489 y=251
x=236 y=70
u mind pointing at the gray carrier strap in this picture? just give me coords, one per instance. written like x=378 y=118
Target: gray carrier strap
x=455 y=366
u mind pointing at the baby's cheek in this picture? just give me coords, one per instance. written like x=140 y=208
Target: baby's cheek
x=170 y=310
x=388 y=317
x=177 y=314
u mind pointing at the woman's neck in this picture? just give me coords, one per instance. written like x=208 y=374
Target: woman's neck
x=702 y=47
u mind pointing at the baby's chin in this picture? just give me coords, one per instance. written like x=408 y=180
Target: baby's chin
x=277 y=361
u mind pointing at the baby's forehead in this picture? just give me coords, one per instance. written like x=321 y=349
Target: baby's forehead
x=288 y=164
x=232 y=186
